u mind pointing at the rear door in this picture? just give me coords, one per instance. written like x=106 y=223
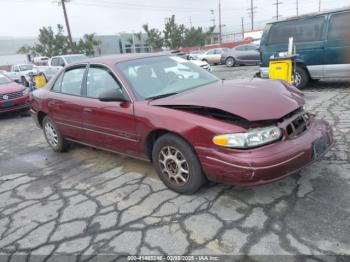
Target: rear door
x=65 y=105
x=110 y=125
x=337 y=47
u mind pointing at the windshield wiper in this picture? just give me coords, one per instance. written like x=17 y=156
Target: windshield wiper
x=160 y=96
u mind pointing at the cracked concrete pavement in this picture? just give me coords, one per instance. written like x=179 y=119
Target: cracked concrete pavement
x=88 y=202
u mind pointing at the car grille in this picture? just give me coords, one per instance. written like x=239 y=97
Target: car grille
x=298 y=124
x=11 y=96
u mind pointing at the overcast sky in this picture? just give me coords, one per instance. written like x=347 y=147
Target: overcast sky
x=21 y=18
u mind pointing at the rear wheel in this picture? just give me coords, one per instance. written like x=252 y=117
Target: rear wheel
x=230 y=61
x=53 y=136
x=301 y=77
x=177 y=164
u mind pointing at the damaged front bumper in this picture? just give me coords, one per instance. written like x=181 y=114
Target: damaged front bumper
x=268 y=163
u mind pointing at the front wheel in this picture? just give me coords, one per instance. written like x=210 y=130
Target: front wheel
x=177 y=164
x=301 y=78
x=53 y=136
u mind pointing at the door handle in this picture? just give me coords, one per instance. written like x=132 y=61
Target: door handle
x=86 y=109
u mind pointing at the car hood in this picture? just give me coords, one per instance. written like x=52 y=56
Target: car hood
x=254 y=100
x=10 y=88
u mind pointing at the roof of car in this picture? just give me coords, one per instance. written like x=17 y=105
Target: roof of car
x=113 y=59
x=311 y=15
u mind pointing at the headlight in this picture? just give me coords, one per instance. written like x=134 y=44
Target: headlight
x=252 y=138
x=26 y=91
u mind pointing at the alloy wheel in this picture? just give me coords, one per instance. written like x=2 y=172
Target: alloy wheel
x=173 y=165
x=51 y=134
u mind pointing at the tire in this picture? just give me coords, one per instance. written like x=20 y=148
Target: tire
x=230 y=62
x=205 y=60
x=177 y=164
x=54 y=139
x=302 y=78
x=24 y=81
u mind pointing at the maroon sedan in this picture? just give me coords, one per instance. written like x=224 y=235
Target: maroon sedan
x=191 y=125
x=13 y=96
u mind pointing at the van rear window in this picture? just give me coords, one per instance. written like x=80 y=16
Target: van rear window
x=339 y=27
x=303 y=30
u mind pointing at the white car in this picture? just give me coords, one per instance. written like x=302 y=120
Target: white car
x=63 y=60
x=202 y=64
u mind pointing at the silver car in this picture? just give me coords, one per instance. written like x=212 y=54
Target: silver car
x=241 y=55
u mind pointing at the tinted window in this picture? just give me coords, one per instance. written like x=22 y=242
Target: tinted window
x=60 y=61
x=100 y=80
x=339 y=26
x=211 y=52
x=72 y=81
x=240 y=48
x=251 y=47
x=304 y=30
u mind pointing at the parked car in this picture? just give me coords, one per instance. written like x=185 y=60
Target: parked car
x=241 y=55
x=63 y=60
x=13 y=96
x=322 y=45
x=212 y=56
x=194 y=54
x=202 y=64
x=21 y=73
x=191 y=125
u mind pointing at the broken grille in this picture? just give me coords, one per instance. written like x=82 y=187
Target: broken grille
x=298 y=125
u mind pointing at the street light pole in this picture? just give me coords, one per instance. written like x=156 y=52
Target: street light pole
x=220 y=26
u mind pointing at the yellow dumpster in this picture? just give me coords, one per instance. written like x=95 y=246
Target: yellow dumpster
x=40 y=80
x=281 y=68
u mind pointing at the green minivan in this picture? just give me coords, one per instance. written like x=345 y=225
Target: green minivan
x=322 y=45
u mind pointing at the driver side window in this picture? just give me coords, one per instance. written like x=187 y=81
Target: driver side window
x=100 y=80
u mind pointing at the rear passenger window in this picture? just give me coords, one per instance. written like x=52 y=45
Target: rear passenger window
x=304 y=30
x=339 y=26
x=72 y=81
x=100 y=80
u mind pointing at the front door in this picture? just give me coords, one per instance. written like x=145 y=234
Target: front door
x=337 y=47
x=110 y=125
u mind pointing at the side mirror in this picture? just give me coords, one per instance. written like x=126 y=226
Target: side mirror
x=112 y=96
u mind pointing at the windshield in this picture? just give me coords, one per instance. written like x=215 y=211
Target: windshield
x=158 y=76
x=25 y=67
x=4 y=80
x=74 y=58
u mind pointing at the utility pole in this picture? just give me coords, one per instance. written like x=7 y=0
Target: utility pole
x=251 y=12
x=319 y=5
x=277 y=8
x=190 y=22
x=213 y=19
x=297 y=3
x=242 y=27
x=220 y=26
x=63 y=2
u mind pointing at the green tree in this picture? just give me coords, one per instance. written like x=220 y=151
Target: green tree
x=173 y=34
x=154 y=37
x=87 y=44
x=50 y=43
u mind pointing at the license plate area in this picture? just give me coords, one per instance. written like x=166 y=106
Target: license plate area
x=320 y=145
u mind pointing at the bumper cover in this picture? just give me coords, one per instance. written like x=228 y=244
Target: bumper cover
x=17 y=104
x=268 y=163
